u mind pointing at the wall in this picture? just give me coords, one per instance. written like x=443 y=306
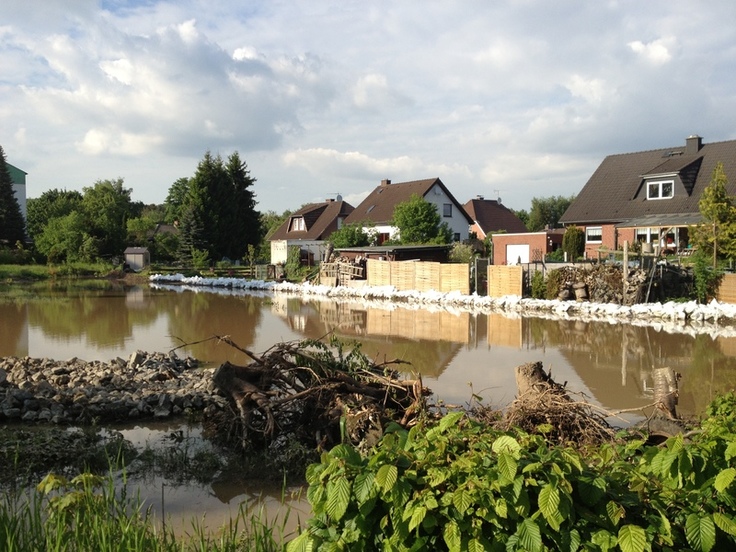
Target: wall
x=280 y=249
x=457 y=223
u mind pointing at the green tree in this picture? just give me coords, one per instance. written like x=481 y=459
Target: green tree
x=12 y=225
x=523 y=215
x=220 y=208
x=718 y=231
x=573 y=242
x=175 y=200
x=49 y=205
x=65 y=239
x=107 y=207
x=350 y=235
x=419 y=222
x=546 y=212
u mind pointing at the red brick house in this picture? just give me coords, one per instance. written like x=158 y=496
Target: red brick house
x=490 y=216
x=649 y=197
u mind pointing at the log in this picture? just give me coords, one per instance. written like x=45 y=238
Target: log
x=666 y=391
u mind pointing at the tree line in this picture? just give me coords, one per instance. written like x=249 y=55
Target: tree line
x=209 y=216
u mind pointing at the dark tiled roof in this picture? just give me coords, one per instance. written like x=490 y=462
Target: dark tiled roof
x=320 y=220
x=616 y=191
x=493 y=216
x=378 y=207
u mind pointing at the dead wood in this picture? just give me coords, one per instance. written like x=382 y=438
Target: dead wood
x=312 y=393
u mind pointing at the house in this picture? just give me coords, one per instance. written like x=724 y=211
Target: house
x=137 y=258
x=649 y=197
x=18 y=177
x=490 y=216
x=525 y=247
x=378 y=208
x=309 y=229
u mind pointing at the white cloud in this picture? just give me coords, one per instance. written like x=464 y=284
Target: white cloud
x=656 y=52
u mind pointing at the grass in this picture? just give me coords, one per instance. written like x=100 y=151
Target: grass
x=91 y=512
x=16 y=272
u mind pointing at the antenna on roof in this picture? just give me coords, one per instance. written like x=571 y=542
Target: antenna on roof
x=337 y=195
x=498 y=197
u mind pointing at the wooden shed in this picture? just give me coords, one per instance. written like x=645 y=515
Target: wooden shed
x=137 y=258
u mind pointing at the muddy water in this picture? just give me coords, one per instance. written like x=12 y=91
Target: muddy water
x=458 y=354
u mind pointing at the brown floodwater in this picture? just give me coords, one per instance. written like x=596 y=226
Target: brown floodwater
x=457 y=353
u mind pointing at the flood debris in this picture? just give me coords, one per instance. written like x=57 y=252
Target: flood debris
x=315 y=392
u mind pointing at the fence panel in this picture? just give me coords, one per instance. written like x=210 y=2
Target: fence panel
x=505 y=280
x=379 y=273
x=402 y=275
x=455 y=277
x=427 y=276
x=727 y=290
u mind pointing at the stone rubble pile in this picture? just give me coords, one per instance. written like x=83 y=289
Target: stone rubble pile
x=146 y=386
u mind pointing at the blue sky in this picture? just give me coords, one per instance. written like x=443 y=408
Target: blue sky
x=515 y=99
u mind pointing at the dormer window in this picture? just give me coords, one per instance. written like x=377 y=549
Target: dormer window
x=297 y=225
x=660 y=189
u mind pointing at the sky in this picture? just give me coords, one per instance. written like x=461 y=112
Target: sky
x=504 y=99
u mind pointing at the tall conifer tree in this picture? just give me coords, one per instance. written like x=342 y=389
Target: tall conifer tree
x=12 y=225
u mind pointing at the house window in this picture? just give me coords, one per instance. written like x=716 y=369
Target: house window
x=594 y=234
x=447 y=210
x=456 y=237
x=661 y=189
x=297 y=224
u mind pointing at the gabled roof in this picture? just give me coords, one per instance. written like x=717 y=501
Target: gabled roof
x=378 y=207
x=616 y=191
x=320 y=220
x=492 y=216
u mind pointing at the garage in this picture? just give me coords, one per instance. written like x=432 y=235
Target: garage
x=516 y=254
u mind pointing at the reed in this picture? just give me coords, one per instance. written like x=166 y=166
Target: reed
x=91 y=512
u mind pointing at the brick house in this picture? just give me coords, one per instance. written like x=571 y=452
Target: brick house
x=525 y=247
x=490 y=216
x=650 y=197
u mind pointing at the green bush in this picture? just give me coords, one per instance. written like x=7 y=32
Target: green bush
x=553 y=283
x=460 y=485
x=573 y=243
x=538 y=285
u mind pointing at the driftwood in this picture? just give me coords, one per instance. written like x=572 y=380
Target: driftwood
x=308 y=392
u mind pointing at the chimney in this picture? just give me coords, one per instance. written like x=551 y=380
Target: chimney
x=385 y=182
x=693 y=144
x=480 y=197
x=329 y=200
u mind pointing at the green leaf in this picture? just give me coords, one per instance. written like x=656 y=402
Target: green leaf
x=363 y=486
x=303 y=543
x=338 y=497
x=451 y=536
x=725 y=523
x=632 y=538
x=507 y=466
x=724 y=479
x=417 y=517
x=386 y=477
x=474 y=545
x=529 y=535
x=700 y=532
x=549 y=505
x=502 y=508
x=615 y=512
x=462 y=500
x=731 y=450
x=506 y=443
x=450 y=420
x=603 y=540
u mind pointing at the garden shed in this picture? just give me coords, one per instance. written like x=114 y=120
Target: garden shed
x=137 y=258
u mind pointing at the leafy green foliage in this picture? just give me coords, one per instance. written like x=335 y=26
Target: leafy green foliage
x=350 y=235
x=539 y=286
x=573 y=242
x=419 y=222
x=106 y=208
x=462 y=253
x=51 y=204
x=460 y=485
x=546 y=212
x=706 y=278
x=717 y=234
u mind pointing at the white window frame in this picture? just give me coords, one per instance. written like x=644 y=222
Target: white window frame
x=596 y=236
x=298 y=225
x=657 y=186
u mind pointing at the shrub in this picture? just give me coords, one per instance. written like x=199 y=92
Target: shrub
x=573 y=243
x=538 y=285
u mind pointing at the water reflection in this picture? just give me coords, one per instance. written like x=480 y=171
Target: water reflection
x=457 y=353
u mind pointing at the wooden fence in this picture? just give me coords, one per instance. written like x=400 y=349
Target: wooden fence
x=505 y=280
x=419 y=276
x=727 y=290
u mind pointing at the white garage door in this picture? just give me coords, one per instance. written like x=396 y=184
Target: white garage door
x=517 y=253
